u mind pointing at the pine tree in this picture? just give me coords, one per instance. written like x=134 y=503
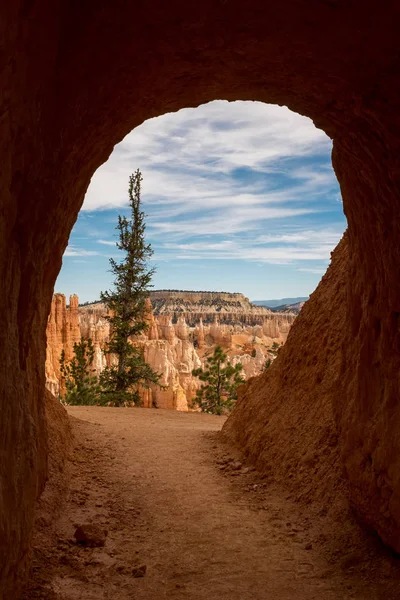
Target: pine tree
x=221 y=381
x=81 y=387
x=127 y=307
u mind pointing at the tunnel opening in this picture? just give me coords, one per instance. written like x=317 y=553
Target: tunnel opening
x=239 y=197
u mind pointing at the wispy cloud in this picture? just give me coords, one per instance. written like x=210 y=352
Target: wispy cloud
x=106 y=242
x=201 y=155
x=239 y=221
x=73 y=251
x=281 y=249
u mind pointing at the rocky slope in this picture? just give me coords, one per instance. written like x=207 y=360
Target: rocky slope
x=172 y=346
x=293 y=399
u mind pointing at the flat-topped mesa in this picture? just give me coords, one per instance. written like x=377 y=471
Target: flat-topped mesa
x=182 y=301
x=231 y=308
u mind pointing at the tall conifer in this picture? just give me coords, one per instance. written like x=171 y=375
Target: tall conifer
x=127 y=307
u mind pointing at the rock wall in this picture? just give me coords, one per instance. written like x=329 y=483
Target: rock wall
x=185 y=302
x=73 y=86
x=171 y=301
x=303 y=433
x=295 y=434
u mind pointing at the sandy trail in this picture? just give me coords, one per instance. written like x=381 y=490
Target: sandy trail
x=160 y=483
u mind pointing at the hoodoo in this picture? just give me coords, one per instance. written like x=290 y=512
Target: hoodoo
x=75 y=79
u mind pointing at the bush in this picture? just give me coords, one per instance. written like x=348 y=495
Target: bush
x=81 y=387
x=221 y=379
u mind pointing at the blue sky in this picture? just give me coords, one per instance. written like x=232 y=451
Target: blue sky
x=239 y=197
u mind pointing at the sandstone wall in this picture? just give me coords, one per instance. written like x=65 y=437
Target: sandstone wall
x=295 y=434
x=303 y=433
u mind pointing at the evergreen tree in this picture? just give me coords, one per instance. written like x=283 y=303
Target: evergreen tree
x=221 y=381
x=81 y=387
x=127 y=307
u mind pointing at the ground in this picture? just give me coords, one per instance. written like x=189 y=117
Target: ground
x=173 y=497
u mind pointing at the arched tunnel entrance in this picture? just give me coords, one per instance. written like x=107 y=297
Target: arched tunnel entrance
x=77 y=79
x=239 y=197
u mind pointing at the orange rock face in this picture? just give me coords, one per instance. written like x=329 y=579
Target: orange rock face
x=74 y=83
x=302 y=416
x=63 y=331
x=295 y=434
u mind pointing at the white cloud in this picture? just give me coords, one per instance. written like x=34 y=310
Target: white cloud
x=189 y=158
x=106 y=242
x=310 y=237
x=238 y=221
x=73 y=251
x=242 y=180
x=281 y=249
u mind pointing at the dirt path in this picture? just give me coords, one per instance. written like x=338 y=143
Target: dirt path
x=172 y=498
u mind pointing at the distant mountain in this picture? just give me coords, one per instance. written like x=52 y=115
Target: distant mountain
x=282 y=302
x=288 y=308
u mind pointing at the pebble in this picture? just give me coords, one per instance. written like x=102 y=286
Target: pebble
x=139 y=571
x=236 y=465
x=90 y=535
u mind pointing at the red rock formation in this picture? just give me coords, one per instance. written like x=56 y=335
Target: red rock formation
x=199 y=334
x=301 y=415
x=152 y=332
x=73 y=85
x=63 y=331
x=174 y=361
x=165 y=328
